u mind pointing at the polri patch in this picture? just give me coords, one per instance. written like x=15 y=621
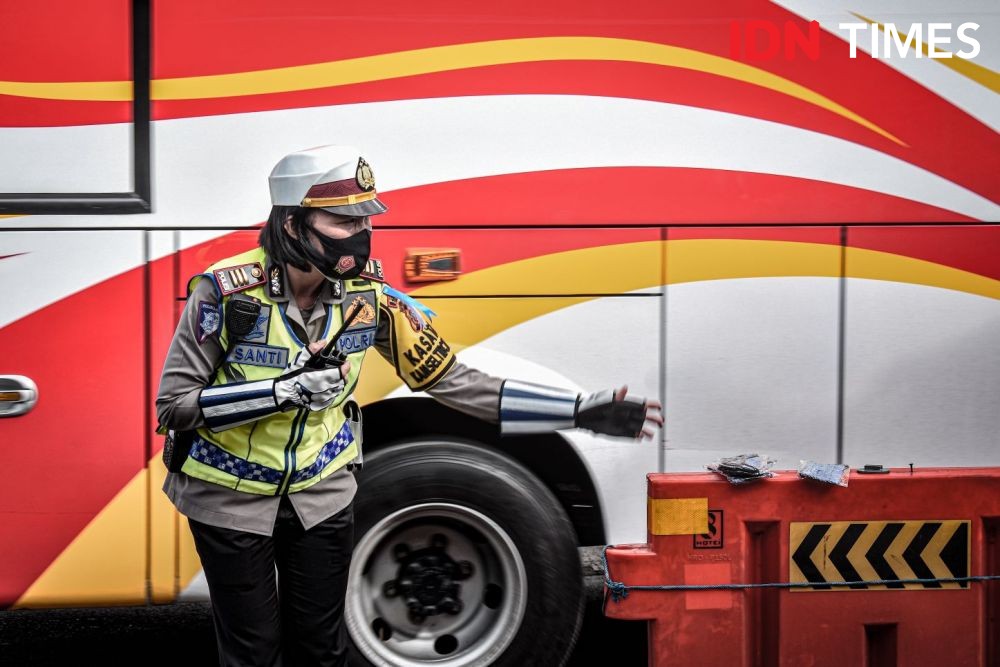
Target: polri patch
x=239 y=278
x=261 y=327
x=253 y=354
x=361 y=334
x=350 y=343
x=208 y=320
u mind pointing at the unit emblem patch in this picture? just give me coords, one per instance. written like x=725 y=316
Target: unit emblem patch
x=208 y=320
x=367 y=314
x=252 y=354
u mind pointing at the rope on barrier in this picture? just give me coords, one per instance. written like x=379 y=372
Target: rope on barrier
x=619 y=590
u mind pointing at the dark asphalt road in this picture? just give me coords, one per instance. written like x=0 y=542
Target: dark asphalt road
x=181 y=634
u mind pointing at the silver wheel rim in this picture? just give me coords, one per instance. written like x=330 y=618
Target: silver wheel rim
x=493 y=596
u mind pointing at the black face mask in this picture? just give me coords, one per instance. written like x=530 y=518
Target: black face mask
x=340 y=258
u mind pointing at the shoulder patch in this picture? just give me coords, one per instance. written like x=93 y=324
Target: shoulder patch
x=373 y=271
x=238 y=278
x=208 y=320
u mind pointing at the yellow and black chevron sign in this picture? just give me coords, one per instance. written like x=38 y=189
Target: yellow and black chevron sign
x=878 y=550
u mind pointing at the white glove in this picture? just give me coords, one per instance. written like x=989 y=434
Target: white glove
x=313 y=388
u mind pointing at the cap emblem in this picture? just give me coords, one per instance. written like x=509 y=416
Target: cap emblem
x=364 y=175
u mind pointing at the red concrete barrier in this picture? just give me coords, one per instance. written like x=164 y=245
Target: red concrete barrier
x=896 y=528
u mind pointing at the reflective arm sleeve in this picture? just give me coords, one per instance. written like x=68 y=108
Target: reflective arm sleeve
x=229 y=405
x=535 y=408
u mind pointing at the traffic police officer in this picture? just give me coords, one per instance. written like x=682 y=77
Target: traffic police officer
x=264 y=435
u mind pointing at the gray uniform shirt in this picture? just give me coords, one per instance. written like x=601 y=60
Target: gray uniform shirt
x=189 y=368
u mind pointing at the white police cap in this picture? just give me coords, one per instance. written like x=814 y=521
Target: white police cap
x=334 y=178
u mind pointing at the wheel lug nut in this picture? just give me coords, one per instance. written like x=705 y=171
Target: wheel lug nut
x=465 y=569
x=451 y=606
x=400 y=552
x=390 y=589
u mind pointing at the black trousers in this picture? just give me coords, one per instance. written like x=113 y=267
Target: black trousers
x=294 y=620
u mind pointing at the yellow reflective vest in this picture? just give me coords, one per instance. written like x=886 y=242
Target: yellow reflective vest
x=287 y=451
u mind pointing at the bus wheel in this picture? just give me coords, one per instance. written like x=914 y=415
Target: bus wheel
x=462 y=557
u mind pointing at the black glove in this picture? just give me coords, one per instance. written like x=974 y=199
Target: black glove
x=602 y=413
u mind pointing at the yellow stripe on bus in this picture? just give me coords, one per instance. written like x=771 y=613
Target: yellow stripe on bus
x=439 y=59
x=105 y=563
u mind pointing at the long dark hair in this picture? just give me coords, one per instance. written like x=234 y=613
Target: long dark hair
x=278 y=244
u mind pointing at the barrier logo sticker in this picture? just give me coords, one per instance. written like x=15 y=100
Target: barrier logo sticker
x=715 y=537
x=858 y=551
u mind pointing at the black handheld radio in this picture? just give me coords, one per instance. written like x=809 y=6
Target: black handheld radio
x=331 y=355
x=241 y=315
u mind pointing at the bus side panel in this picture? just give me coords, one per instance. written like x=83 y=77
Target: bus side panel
x=922 y=366
x=74 y=498
x=752 y=337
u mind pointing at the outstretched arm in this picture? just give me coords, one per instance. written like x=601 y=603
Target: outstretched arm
x=532 y=408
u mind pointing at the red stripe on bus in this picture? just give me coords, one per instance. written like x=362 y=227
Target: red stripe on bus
x=647 y=195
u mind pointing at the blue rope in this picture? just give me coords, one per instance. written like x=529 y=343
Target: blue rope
x=619 y=591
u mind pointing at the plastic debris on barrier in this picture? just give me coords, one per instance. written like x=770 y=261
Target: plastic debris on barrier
x=831 y=473
x=743 y=468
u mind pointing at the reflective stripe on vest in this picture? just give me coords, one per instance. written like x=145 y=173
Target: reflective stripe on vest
x=212 y=455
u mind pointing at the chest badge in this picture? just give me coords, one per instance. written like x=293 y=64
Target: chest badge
x=361 y=333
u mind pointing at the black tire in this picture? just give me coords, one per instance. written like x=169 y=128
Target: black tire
x=454 y=483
